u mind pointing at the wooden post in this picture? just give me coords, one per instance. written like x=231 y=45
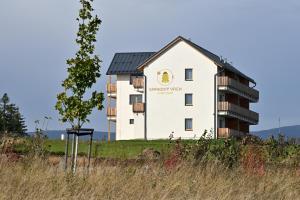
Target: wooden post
x=75 y=154
x=72 y=151
x=67 y=152
x=75 y=144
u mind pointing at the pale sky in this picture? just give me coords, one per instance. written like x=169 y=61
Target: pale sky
x=260 y=37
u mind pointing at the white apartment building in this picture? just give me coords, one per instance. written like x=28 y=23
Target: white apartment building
x=180 y=91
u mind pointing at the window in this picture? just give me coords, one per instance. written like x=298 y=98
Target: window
x=188 y=124
x=188 y=99
x=131 y=121
x=135 y=98
x=188 y=74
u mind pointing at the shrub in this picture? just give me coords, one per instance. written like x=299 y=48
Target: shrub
x=176 y=156
x=254 y=160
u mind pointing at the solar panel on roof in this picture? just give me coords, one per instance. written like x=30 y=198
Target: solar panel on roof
x=126 y=63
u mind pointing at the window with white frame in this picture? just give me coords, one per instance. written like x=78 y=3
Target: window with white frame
x=188 y=124
x=189 y=74
x=135 y=98
x=188 y=99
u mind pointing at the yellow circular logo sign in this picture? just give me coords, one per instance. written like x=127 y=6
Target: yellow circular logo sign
x=165 y=77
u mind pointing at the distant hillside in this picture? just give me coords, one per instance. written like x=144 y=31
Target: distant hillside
x=288 y=131
x=98 y=135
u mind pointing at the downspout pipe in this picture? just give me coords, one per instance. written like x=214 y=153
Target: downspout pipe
x=145 y=107
x=216 y=103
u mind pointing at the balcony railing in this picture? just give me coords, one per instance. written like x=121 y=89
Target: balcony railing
x=138 y=107
x=227 y=132
x=111 y=112
x=226 y=108
x=111 y=88
x=138 y=82
x=237 y=87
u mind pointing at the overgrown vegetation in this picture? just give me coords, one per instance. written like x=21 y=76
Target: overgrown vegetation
x=205 y=169
x=37 y=179
x=230 y=152
x=247 y=152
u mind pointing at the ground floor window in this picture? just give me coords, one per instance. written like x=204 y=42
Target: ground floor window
x=188 y=124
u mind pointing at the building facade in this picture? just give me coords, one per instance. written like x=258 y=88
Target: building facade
x=180 y=91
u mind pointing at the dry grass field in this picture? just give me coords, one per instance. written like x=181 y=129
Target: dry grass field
x=38 y=179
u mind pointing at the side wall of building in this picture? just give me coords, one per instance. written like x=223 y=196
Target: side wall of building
x=125 y=130
x=166 y=110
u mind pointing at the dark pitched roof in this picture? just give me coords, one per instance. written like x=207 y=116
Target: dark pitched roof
x=216 y=59
x=127 y=63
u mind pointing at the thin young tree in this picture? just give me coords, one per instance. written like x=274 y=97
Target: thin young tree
x=74 y=104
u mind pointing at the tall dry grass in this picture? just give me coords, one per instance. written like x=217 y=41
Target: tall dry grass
x=36 y=179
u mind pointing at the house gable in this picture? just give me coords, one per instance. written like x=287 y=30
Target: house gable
x=214 y=58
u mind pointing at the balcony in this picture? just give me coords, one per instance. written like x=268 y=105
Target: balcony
x=111 y=114
x=229 y=84
x=227 y=132
x=111 y=89
x=232 y=110
x=138 y=107
x=138 y=83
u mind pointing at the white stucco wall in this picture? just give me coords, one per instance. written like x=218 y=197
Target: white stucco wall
x=125 y=130
x=166 y=111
